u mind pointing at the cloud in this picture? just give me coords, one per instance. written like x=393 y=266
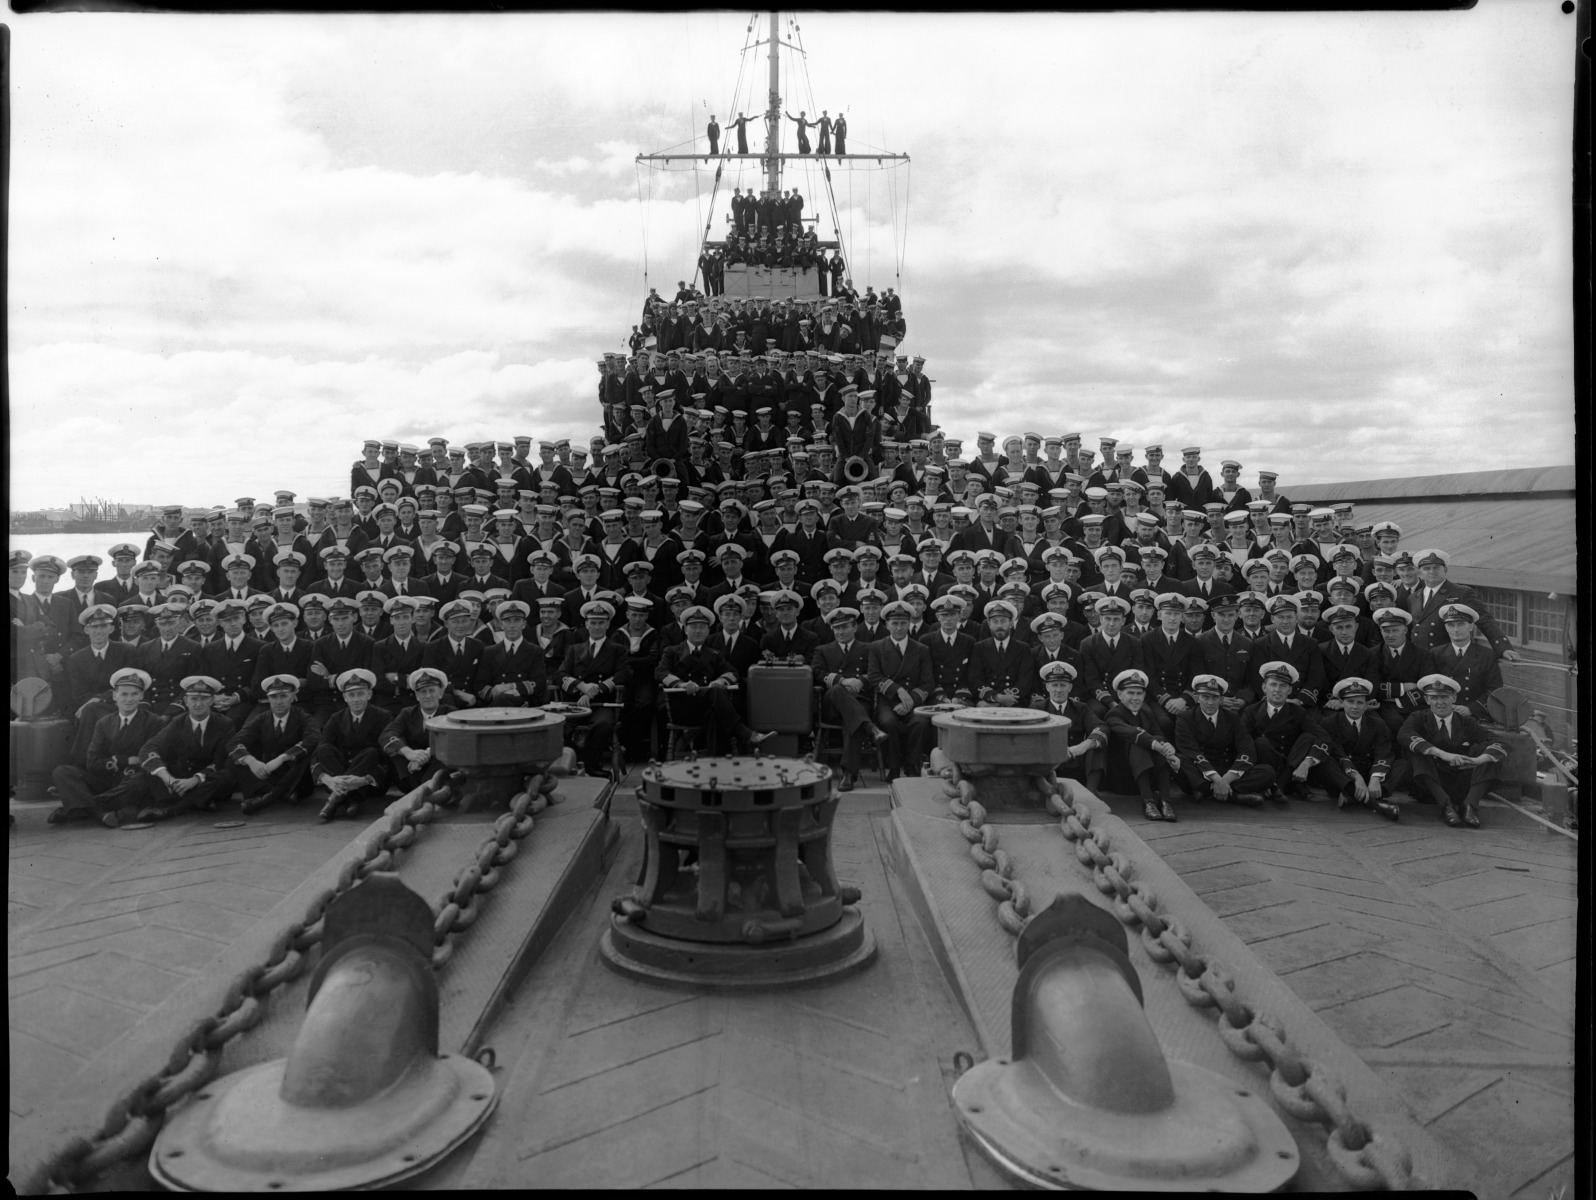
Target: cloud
x=1271 y=234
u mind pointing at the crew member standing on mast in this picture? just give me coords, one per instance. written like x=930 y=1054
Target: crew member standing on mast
x=803 y=123
x=823 y=127
x=840 y=128
x=712 y=131
x=741 y=126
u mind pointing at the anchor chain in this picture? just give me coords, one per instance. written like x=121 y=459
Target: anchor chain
x=457 y=908
x=997 y=871
x=1366 y=1157
x=132 y=1123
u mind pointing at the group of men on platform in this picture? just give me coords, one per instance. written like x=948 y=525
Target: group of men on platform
x=839 y=321
x=940 y=580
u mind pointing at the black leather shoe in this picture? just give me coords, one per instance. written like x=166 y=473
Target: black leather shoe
x=759 y=739
x=1471 y=816
x=1246 y=799
x=1151 y=811
x=253 y=804
x=845 y=784
x=1342 y=800
x=330 y=809
x=1449 y=815
x=877 y=735
x=1169 y=811
x=1391 y=812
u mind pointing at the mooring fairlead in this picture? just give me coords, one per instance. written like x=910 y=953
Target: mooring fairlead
x=363 y=1099
x=1088 y=1099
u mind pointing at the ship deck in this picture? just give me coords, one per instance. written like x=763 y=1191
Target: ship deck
x=1443 y=958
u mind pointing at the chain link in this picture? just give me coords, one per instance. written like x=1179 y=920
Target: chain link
x=997 y=870
x=132 y=1123
x=1365 y=1157
x=457 y=908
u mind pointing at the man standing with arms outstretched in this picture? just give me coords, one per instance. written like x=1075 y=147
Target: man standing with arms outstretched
x=741 y=126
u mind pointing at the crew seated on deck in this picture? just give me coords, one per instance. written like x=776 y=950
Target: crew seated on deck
x=724 y=479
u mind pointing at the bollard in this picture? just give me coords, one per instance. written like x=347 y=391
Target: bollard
x=496 y=747
x=1004 y=751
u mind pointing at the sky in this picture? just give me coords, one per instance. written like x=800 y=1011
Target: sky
x=1337 y=246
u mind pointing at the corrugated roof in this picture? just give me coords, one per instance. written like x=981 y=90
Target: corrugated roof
x=1526 y=544
x=1520 y=481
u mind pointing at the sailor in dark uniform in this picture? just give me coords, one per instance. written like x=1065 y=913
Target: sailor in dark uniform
x=1148 y=736
x=1216 y=751
x=1086 y=753
x=1286 y=643
x=1425 y=604
x=1107 y=653
x=1471 y=663
x=456 y=653
x=1454 y=759
x=270 y=753
x=185 y=764
x=111 y=756
x=511 y=672
x=405 y=739
x=696 y=676
x=950 y=649
x=1361 y=751
x=841 y=667
x=1284 y=738
x=167 y=658
x=1002 y=671
x=348 y=764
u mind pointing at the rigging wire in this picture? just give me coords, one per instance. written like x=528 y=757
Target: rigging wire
x=643 y=216
x=908 y=179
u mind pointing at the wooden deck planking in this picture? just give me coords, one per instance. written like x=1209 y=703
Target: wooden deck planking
x=1411 y=939
x=115 y=922
x=815 y=1087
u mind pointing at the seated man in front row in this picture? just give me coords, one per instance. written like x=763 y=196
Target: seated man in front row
x=112 y=757
x=696 y=676
x=592 y=674
x=841 y=667
x=1149 y=737
x=900 y=675
x=271 y=753
x=185 y=764
x=1453 y=757
x=405 y=739
x=1359 y=766
x=1283 y=735
x=1216 y=751
x=1086 y=754
x=348 y=765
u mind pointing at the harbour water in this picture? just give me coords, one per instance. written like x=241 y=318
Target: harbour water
x=69 y=545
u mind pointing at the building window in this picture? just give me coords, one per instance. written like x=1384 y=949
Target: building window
x=1543 y=619
x=1502 y=605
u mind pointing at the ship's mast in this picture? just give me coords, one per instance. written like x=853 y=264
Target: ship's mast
x=772 y=159
x=773 y=117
